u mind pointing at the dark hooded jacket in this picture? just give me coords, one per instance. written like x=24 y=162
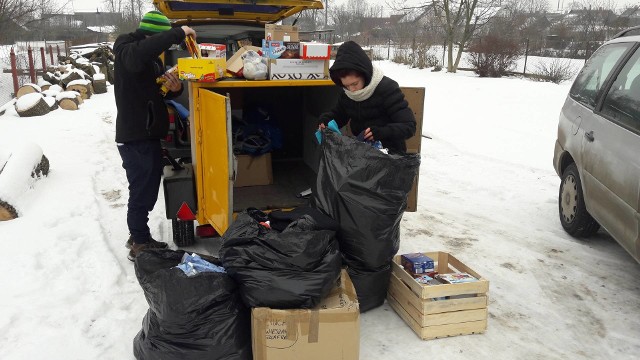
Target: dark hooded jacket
x=386 y=112
x=142 y=113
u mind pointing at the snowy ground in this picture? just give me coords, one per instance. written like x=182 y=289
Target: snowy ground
x=488 y=195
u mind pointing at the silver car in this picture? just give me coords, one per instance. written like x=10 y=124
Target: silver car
x=597 y=153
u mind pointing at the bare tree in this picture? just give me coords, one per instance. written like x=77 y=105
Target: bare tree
x=593 y=22
x=14 y=14
x=518 y=7
x=347 y=18
x=461 y=20
x=131 y=10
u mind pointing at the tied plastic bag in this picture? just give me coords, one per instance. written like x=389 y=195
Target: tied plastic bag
x=366 y=192
x=189 y=318
x=292 y=269
x=255 y=68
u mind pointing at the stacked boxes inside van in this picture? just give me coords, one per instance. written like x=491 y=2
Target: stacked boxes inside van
x=290 y=59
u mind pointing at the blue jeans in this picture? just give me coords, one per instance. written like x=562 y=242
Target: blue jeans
x=142 y=161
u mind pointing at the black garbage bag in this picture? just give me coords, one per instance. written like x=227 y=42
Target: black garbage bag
x=371 y=286
x=295 y=268
x=280 y=219
x=198 y=317
x=366 y=191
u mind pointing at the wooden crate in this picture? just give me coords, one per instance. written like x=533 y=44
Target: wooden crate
x=435 y=311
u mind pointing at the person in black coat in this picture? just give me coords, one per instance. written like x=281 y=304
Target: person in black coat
x=372 y=103
x=142 y=118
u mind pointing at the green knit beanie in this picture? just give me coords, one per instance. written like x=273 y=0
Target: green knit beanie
x=154 y=22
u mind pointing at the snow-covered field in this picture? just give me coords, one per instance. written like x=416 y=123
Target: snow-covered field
x=488 y=195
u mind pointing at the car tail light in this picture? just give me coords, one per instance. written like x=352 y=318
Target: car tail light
x=205 y=231
x=169 y=138
x=172 y=118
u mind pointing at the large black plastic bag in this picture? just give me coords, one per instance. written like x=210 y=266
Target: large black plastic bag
x=365 y=190
x=199 y=317
x=295 y=268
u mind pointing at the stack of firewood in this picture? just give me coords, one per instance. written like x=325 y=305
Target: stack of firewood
x=66 y=85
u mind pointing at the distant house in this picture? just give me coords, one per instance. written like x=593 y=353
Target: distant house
x=98 y=19
x=77 y=26
x=372 y=27
x=631 y=16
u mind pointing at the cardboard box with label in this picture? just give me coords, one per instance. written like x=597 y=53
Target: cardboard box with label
x=276 y=49
x=253 y=170
x=298 y=69
x=281 y=32
x=330 y=331
x=203 y=70
x=213 y=51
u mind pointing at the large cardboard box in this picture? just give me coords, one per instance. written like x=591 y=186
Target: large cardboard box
x=203 y=70
x=435 y=311
x=281 y=32
x=298 y=69
x=253 y=170
x=331 y=331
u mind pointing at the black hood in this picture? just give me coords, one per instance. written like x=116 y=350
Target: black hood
x=351 y=56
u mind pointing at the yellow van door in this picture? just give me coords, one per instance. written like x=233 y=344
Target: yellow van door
x=214 y=160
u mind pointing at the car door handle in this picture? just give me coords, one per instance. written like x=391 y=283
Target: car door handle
x=589 y=135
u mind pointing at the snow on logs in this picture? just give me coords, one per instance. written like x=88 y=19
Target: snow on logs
x=18 y=172
x=32 y=104
x=69 y=100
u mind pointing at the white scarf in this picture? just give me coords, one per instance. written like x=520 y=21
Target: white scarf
x=366 y=92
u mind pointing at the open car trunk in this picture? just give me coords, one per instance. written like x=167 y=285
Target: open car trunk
x=291 y=109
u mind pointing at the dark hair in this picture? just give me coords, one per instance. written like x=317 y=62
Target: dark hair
x=336 y=75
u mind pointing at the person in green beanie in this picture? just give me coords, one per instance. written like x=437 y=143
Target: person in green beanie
x=142 y=118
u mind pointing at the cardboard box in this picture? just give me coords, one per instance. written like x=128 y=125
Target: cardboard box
x=235 y=64
x=275 y=49
x=298 y=69
x=415 y=98
x=281 y=32
x=203 y=70
x=330 y=331
x=435 y=311
x=315 y=51
x=213 y=51
x=253 y=170
x=416 y=263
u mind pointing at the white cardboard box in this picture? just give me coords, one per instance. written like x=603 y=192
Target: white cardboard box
x=298 y=69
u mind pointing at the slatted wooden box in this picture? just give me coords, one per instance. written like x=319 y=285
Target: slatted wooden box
x=435 y=311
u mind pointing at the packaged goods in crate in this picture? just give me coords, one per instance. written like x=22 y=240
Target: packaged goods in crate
x=416 y=263
x=434 y=308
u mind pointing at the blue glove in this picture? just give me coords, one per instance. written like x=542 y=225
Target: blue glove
x=333 y=126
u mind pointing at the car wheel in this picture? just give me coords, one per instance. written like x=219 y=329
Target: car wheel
x=182 y=232
x=574 y=216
